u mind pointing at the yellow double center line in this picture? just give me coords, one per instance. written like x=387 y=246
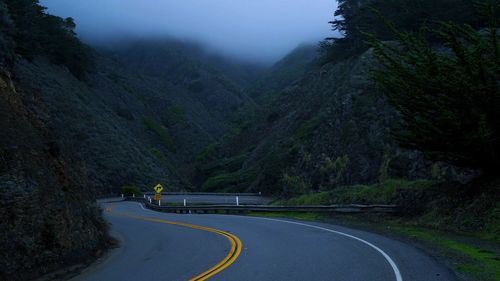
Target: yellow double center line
x=231 y=257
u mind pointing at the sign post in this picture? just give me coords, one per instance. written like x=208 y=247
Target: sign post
x=158 y=189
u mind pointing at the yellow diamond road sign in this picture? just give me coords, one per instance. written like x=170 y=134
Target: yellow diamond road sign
x=158 y=188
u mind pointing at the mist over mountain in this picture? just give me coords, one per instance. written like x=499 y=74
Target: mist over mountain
x=260 y=31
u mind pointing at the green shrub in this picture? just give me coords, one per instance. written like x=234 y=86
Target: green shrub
x=196 y=87
x=236 y=181
x=158 y=154
x=294 y=185
x=161 y=132
x=234 y=163
x=207 y=154
x=125 y=113
x=173 y=115
x=492 y=225
x=307 y=129
x=131 y=190
x=273 y=116
x=383 y=193
x=221 y=181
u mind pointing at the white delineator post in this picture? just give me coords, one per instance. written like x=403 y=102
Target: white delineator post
x=144 y=196
x=184 y=202
x=133 y=195
x=122 y=196
x=150 y=200
x=237 y=201
x=159 y=202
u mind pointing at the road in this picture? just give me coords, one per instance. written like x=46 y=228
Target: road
x=161 y=246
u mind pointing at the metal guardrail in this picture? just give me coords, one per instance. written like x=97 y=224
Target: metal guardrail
x=349 y=208
x=206 y=193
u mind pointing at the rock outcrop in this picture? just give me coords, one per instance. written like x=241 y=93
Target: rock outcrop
x=49 y=217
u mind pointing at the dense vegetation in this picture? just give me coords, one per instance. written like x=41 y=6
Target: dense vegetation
x=49 y=216
x=449 y=99
x=36 y=33
x=442 y=75
x=6 y=44
x=354 y=19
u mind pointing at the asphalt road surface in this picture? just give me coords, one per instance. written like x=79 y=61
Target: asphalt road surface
x=171 y=247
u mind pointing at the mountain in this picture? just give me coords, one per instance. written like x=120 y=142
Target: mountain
x=136 y=114
x=142 y=116
x=83 y=122
x=138 y=119
x=291 y=67
x=329 y=128
x=79 y=122
x=186 y=67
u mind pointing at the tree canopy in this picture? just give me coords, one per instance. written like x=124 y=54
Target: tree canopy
x=356 y=18
x=446 y=89
x=36 y=33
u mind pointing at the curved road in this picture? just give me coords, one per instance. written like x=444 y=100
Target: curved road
x=161 y=246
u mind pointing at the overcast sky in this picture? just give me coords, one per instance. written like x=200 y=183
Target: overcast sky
x=258 y=30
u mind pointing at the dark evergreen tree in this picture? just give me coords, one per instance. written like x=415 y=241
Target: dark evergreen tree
x=37 y=33
x=6 y=31
x=355 y=18
x=448 y=97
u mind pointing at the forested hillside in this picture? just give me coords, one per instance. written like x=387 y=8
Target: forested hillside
x=340 y=123
x=49 y=219
x=330 y=128
x=407 y=91
x=79 y=122
x=141 y=116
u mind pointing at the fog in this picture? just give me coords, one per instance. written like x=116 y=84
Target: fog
x=254 y=30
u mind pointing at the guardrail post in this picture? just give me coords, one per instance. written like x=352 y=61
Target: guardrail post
x=237 y=201
x=184 y=202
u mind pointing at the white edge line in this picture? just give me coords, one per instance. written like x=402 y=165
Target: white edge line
x=395 y=268
x=143 y=207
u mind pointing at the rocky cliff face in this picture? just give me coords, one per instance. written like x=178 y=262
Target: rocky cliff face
x=49 y=219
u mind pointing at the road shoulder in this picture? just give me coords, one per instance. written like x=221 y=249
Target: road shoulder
x=468 y=258
x=115 y=250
